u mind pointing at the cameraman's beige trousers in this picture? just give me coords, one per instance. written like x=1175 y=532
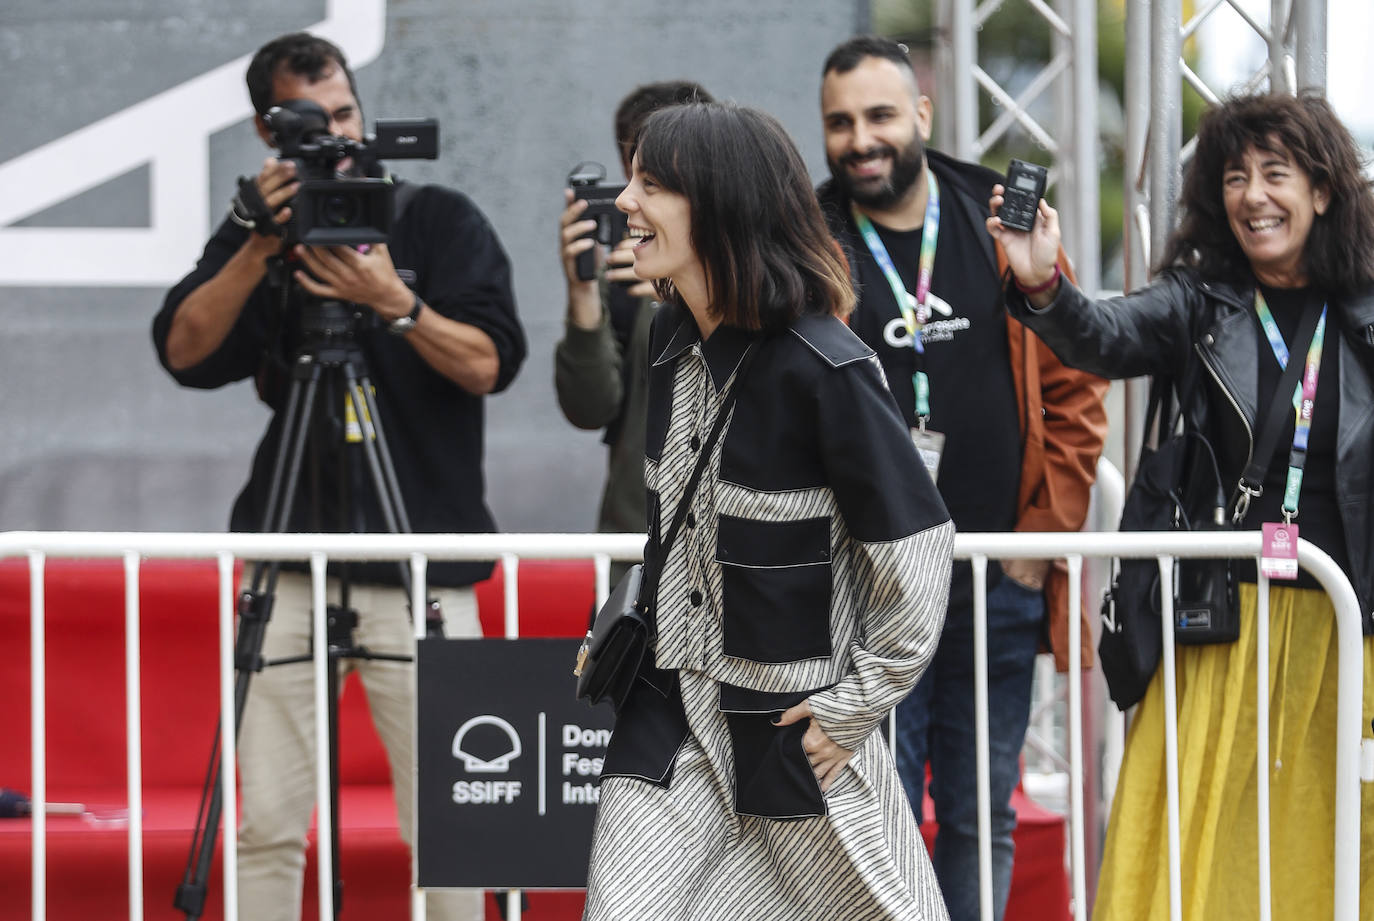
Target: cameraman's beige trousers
x=277 y=739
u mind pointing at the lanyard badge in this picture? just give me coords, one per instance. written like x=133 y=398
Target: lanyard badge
x=913 y=307
x=1279 y=557
x=915 y=311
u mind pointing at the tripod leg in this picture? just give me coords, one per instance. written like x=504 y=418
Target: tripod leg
x=385 y=481
x=379 y=463
x=190 y=894
x=255 y=610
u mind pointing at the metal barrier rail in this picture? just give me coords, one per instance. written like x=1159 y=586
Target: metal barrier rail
x=318 y=549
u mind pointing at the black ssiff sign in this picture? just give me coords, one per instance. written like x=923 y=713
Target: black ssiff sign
x=509 y=764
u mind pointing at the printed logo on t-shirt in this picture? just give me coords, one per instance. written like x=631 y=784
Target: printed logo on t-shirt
x=895 y=333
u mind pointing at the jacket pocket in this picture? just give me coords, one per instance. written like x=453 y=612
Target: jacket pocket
x=773 y=776
x=776 y=584
x=649 y=729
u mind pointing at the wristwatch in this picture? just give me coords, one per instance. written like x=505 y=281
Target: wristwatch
x=402 y=325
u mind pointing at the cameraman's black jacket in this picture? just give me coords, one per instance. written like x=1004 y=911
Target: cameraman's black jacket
x=444 y=248
x=1181 y=318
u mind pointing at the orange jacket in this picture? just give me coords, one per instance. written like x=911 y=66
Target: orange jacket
x=1063 y=426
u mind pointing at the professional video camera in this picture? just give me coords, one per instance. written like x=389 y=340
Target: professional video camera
x=350 y=210
x=586 y=182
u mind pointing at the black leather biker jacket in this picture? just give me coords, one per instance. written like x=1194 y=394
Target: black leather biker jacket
x=1181 y=318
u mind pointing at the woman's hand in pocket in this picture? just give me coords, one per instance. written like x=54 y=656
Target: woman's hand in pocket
x=827 y=758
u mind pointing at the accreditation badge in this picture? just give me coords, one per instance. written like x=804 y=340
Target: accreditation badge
x=930 y=445
x=1279 y=556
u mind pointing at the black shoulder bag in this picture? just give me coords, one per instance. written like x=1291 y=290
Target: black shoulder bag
x=1178 y=487
x=621 y=631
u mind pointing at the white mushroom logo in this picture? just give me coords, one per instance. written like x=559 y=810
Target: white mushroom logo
x=497 y=765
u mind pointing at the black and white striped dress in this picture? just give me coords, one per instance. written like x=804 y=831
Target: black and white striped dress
x=814 y=564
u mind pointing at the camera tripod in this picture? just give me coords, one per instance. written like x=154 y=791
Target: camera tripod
x=328 y=359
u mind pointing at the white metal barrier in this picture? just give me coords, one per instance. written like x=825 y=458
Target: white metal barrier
x=978 y=548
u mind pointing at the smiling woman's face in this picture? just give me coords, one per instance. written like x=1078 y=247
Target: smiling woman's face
x=661 y=220
x=1271 y=205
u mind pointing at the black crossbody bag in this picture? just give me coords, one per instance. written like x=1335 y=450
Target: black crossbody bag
x=621 y=631
x=1178 y=487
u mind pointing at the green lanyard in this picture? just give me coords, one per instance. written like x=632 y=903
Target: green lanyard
x=913 y=308
x=1304 y=398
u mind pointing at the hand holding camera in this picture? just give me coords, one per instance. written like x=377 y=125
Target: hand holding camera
x=278 y=185
x=579 y=244
x=361 y=277
x=263 y=204
x=607 y=222
x=576 y=240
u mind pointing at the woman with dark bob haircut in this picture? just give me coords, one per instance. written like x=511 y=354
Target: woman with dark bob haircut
x=800 y=588
x=1275 y=252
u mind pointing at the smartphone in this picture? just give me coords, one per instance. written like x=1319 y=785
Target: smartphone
x=1021 y=194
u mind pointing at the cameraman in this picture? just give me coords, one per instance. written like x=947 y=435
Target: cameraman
x=438 y=329
x=601 y=365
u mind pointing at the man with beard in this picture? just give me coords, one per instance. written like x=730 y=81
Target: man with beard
x=434 y=317
x=1010 y=435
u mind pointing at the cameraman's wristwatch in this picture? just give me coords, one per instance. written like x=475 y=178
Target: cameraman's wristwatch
x=402 y=325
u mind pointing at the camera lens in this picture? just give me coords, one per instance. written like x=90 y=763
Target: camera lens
x=339 y=210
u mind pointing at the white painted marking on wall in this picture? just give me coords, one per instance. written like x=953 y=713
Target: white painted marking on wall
x=171 y=132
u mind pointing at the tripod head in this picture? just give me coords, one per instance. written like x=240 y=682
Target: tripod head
x=306 y=320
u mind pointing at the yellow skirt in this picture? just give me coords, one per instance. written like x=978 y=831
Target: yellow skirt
x=1217 y=780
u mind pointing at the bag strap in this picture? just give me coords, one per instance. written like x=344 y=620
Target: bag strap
x=1160 y=387
x=1162 y=404
x=702 y=460
x=1251 y=485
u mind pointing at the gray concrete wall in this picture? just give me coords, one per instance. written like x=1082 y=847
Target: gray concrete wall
x=107 y=102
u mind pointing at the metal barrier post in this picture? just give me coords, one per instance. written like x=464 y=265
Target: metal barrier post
x=419 y=594
x=980 y=720
x=228 y=746
x=133 y=733
x=1080 y=888
x=1169 y=677
x=510 y=568
x=324 y=817
x=38 y=722
x=1262 y=742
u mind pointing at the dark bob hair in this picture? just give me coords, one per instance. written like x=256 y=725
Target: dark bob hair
x=1339 y=252
x=767 y=253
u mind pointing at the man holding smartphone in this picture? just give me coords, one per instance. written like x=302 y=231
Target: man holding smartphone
x=1010 y=435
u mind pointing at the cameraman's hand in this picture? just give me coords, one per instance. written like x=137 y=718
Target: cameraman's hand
x=621 y=268
x=584 y=297
x=461 y=352
x=277 y=184
x=362 y=277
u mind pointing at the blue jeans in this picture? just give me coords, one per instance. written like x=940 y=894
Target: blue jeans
x=936 y=722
